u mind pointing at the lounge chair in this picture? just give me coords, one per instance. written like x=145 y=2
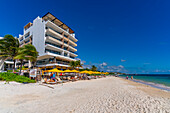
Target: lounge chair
x=59 y=80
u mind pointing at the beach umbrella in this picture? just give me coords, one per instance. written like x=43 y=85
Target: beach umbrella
x=84 y=71
x=43 y=71
x=106 y=73
x=67 y=71
x=75 y=71
x=55 y=70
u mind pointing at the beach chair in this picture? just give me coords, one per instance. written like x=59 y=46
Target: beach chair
x=59 y=80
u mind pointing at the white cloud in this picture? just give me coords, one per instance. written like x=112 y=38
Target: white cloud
x=83 y=62
x=104 y=64
x=123 y=60
x=121 y=66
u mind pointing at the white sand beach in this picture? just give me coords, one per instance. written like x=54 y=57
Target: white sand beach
x=105 y=95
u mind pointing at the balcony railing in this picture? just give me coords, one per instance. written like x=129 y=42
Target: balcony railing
x=27 y=35
x=27 y=41
x=58 y=53
x=53 y=37
x=53 y=45
x=53 y=30
x=59 y=26
x=21 y=39
x=51 y=51
x=49 y=62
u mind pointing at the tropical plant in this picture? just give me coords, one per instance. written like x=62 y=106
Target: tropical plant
x=94 y=68
x=73 y=64
x=13 y=77
x=78 y=63
x=27 y=52
x=8 y=49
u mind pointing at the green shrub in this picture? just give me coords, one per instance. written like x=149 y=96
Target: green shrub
x=13 y=77
x=12 y=70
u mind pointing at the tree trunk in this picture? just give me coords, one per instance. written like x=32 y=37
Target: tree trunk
x=2 y=60
x=29 y=64
x=14 y=66
x=20 y=66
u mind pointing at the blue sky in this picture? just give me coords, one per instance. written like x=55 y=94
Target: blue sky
x=131 y=36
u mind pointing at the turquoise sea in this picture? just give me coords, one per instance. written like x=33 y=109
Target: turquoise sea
x=161 y=81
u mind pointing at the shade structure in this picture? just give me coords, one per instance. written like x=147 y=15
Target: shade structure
x=55 y=70
x=90 y=72
x=84 y=71
x=87 y=72
x=103 y=73
x=45 y=70
x=106 y=73
x=75 y=71
x=67 y=71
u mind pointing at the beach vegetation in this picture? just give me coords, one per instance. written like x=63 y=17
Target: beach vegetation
x=74 y=64
x=9 y=47
x=14 y=77
x=94 y=68
x=27 y=52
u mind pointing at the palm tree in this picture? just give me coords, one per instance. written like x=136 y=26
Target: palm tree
x=31 y=53
x=94 y=68
x=8 y=49
x=78 y=64
x=73 y=64
x=27 y=52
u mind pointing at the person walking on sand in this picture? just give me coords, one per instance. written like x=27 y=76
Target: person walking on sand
x=53 y=76
x=127 y=77
x=131 y=77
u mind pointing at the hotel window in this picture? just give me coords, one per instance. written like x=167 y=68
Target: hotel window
x=65 y=54
x=27 y=35
x=65 y=48
x=65 y=42
x=27 y=41
x=51 y=51
x=65 y=36
x=71 y=57
x=21 y=39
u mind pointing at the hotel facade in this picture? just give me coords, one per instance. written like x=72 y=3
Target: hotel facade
x=54 y=40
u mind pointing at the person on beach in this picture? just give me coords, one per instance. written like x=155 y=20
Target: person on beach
x=127 y=77
x=131 y=77
x=53 y=76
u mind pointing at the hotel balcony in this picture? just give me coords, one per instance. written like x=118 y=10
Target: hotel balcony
x=59 y=29
x=52 y=38
x=51 y=53
x=50 y=30
x=55 y=47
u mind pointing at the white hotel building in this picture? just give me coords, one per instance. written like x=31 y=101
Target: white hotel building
x=53 y=39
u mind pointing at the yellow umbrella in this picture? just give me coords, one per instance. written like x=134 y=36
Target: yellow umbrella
x=90 y=72
x=67 y=71
x=95 y=72
x=106 y=73
x=84 y=71
x=44 y=71
x=55 y=70
x=102 y=72
x=75 y=71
